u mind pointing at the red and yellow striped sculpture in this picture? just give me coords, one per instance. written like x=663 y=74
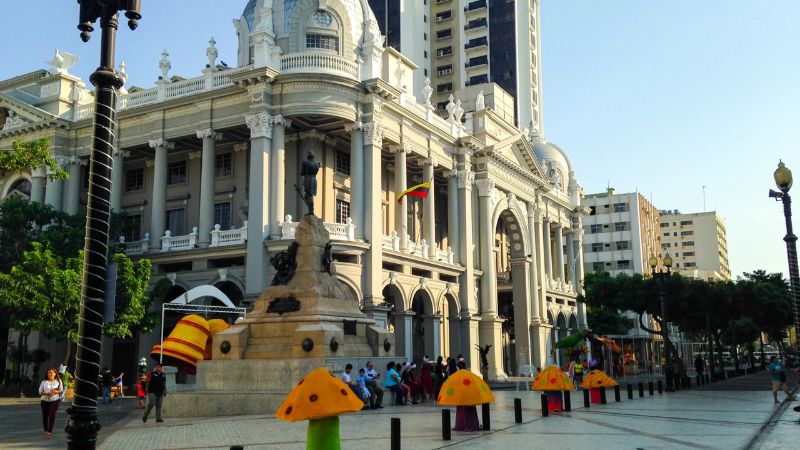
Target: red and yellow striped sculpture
x=185 y=345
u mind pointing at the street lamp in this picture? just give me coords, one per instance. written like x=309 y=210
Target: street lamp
x=661 y=275
x=783 y=178
x=83 y=424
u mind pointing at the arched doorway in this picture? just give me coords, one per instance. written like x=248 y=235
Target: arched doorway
x=452 y=322
x=561 y=333
x=512 y=266
x=399 y=320
x=425 y=327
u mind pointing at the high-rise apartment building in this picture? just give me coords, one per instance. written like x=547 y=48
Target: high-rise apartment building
x=697 y=243
x=622 y=231
x=467 y=43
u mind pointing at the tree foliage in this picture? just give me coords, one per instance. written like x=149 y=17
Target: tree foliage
x=27 y=156
x=604 y=320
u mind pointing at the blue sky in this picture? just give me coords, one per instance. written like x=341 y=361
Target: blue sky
x=659 y=97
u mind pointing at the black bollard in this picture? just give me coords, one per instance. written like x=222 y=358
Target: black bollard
x=616 y=394
x=630 y=391
x=708 y=378
x=567 y=401
x=237 y=447
x=660 y=387
x=650 y=388
x=518 y=410
x=395 y=439
x=487 y=421
x=586 y=402
x=603 y=400
x=688 y=383
x=446 y=424
x=545 y=411
x=641 y=389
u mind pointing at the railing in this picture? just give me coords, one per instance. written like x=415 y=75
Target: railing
x=135 y=247
x=185 y=242
x=445 y=255
x=185 y=87
x=318 y=62
x=337 y=231
x=421 y=249
x=221 y=238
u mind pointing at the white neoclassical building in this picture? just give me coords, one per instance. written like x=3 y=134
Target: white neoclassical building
x=205 y=170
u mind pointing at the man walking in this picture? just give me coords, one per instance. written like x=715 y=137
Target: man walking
x=107 y=380
x=699 y=368
x=778 y=378
x=156 y=391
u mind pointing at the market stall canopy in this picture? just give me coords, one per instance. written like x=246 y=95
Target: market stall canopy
x=464 y=388
x=552 y=379
x=598 y=379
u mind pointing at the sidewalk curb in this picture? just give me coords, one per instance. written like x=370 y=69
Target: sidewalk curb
x=770 y=422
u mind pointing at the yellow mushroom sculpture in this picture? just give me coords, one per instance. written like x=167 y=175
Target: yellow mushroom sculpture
x=464 y=388
x=320 y=398
x=552 y=379
x=597 y=379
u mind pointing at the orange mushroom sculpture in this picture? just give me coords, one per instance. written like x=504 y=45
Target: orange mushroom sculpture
x=320 y=398
x=598 y=379
x=553 y=381
x=464 y=388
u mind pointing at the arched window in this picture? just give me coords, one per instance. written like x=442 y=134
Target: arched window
x=322 y=32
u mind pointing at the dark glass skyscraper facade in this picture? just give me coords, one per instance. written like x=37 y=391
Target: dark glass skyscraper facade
x=502 y=45
x=387 y=12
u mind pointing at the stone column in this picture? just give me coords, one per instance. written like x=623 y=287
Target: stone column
x=260 y=127
x=570 y=259
x=404 y=334
x=373 y=226
x=466 y=293
x=540 y=331
x=72 y=194
x=490 y=325
x=277 y=188
x=453 y=217
x=401 y=184
x=206 y=220
x=536 y=307
x=357 y=176
x=579 y=272
x=432 y=324
x=520 y=278
x=37 y=185
x=118 y=178
x=548 y=247
x=429 y=205
x=559 y=232
x=54 y=189
x=158 y=208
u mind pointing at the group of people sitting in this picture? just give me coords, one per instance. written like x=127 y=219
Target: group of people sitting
x=410 y=383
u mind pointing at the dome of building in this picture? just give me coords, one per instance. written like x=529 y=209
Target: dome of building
x=559 y=167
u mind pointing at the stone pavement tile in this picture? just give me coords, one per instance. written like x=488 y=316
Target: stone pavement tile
x=687 y=419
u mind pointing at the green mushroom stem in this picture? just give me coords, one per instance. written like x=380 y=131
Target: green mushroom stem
x=323 y=434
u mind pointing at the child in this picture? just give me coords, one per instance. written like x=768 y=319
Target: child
x=141 y=385
x=120 y=387
x=369 y=400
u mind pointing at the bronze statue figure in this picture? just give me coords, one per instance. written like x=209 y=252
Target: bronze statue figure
x=309 y=169
x=285 y=264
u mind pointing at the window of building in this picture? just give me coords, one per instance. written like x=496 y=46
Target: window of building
x=478 y=79
x=621 y=226
x=222 y=215
x=687 y=243
x=176 y=221
x=598 y=267
x=442 y=34
x=441 y=106
x=664 y=224
x=690 y=264
x=477 y=61
x=322 y=41
x=596 y=228
x=620 y=207
x=444 y=15
x=223 y=165
x=597 y=247
x=445 y=87
x=686 y=222
x=176 y=173
x=688 y=254
x=444 y=70
x=134 y=179
x=623 y=245
x=444 y=51
x=477 y=23
x=687 y=233
x=623 y=264
x=343 y=162
x=476 y=42
x=342 y=211
x=132 y=227
x=666 y=234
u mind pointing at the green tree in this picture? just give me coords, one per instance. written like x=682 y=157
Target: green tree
x=604 y=320
x=27 y=156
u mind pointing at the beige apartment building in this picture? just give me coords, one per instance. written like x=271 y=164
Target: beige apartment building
x=697 y=243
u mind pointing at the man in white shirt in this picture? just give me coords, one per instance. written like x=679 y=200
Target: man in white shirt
x=372 y=385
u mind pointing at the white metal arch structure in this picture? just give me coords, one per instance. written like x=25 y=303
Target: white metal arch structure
x=183 y=303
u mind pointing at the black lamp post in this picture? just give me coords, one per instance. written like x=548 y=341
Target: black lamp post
x=783 y=178
x=83 y=424
x=661 y=275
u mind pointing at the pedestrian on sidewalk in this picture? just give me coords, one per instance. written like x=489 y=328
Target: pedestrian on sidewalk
x=776 y=368
x=699 y=367
x=156 y=392
x=50 y=390
x=107 y=380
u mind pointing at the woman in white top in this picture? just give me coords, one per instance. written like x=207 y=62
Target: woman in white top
x=50 y=390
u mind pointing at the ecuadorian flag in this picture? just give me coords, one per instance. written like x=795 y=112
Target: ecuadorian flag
x=420 y=190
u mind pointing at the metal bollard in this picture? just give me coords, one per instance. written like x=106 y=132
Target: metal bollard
x=446 y=425
x=567 y=401
x=395 y=437
x=708 y=378
x=630 y=391
x=603 y=399
x=487 y=421
x=237 y=447
x=650 y=388
x=518 y=410
x=586 y=402
x=641 y=389
x=616 y=394
x=660 y=387
x=545 y=411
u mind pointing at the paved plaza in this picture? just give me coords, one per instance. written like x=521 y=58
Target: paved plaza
x=717 y=416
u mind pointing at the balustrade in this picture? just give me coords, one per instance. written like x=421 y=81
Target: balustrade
x=174 y=243
x=318 y=62
x=221 y=238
